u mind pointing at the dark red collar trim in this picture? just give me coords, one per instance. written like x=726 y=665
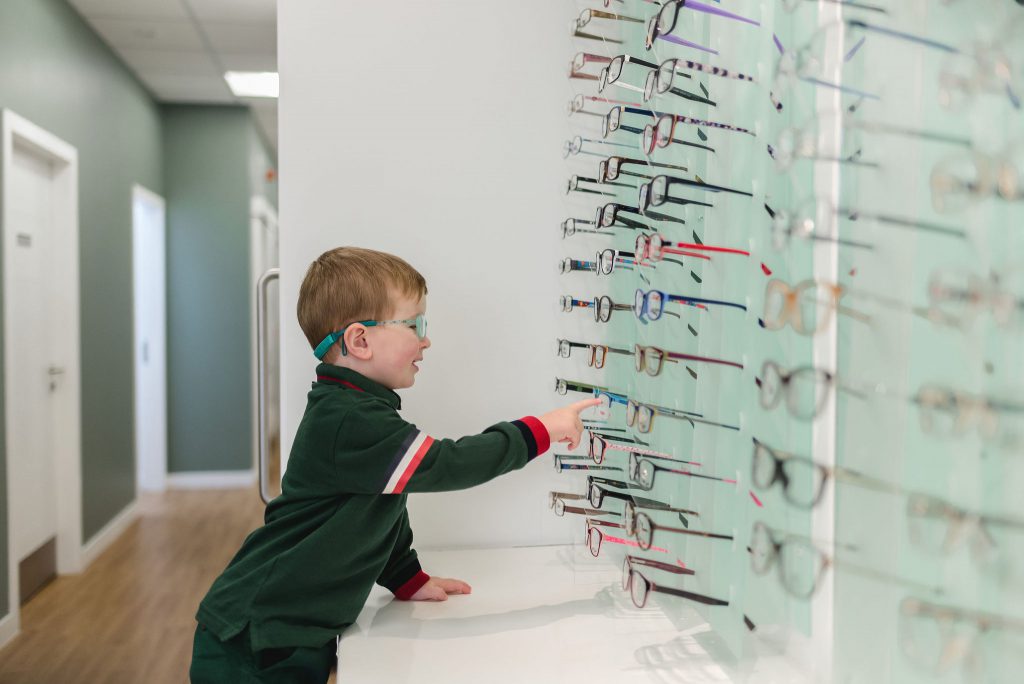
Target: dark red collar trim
x=345 y=383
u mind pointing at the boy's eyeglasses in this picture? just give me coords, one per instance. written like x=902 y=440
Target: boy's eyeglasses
x=419 y=324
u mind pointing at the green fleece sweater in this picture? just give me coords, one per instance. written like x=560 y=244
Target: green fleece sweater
x=340 y=524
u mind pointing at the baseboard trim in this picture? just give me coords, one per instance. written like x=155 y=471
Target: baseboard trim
x=212 y=479
x=100 y=541
x=8 y=628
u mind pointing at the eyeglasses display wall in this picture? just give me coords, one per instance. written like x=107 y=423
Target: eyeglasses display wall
x=793 y=268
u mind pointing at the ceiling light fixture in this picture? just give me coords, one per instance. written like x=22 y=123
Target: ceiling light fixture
x=253 y=83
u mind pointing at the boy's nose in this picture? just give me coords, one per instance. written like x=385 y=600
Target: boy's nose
x=425 y=342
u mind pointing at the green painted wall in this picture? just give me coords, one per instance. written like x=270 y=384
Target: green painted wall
x=207 y=172
x=57 y=73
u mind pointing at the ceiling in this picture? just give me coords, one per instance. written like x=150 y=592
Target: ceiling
x=180 y=49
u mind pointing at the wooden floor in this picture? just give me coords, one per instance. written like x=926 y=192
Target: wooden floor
x=130 y=616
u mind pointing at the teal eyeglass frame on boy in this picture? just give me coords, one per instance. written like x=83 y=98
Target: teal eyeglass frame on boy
x=419 y=324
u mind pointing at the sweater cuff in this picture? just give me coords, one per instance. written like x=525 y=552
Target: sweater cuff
x=405 y=592
x=535 y=434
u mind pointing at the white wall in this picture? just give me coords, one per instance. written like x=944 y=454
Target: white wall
x=433 y=130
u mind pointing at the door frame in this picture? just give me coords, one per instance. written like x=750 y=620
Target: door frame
x=67 y=440
x=260 y=212
x=156 y=481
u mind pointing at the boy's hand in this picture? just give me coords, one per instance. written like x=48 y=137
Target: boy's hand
x=438 y=588
x=564 y=424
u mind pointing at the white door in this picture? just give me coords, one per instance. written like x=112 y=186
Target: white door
x=33 y=381
x=148 y=249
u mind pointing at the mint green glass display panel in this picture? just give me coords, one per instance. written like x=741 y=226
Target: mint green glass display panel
x=901 y=350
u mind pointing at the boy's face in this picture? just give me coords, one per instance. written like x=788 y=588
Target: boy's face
x=395 y=349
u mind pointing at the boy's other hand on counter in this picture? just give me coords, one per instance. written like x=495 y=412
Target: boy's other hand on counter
x=564 y=424
x=438 y=589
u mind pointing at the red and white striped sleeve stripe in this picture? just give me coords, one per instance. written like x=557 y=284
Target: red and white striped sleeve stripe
x=408 y=459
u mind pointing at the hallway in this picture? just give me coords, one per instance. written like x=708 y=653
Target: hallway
x=129 y=616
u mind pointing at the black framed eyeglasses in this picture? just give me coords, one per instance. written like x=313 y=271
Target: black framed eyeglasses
x=563 y=462
x=611 y=74
x=660 y=185
x=563 y=386
x=556 y=502
x=609 y=169
x=642 y=416
x=644 y=529
x=573 y=185
x=660 y=80
x=642 y=470
x=571 y=226
x=610 y=214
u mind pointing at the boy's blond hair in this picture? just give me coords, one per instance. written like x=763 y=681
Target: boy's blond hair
x=349 y=284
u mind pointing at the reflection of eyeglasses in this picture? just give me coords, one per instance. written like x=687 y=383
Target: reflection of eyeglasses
x=807 y=306
x=419 y=324
x=650 y=305
x=957 y=182
x=803 y=223
x=565 y=462
x=642 y=471
x=801 y=564
x=795 y=144
x=660 y=80
x=563 y=386
x=556 y=502
x=994 y=68
x=947 y=412
x=568 y=303
x=958 y=297
x=639 y=587
x=803 y=480
x=937 y=638
x=805 y=388
x=939 y=527
x=651 y=359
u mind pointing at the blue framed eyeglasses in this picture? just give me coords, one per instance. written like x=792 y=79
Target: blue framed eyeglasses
x=419 y=324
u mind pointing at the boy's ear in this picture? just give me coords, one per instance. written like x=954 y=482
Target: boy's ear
x=356 y=342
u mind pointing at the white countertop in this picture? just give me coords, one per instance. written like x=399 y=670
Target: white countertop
x=539 y=615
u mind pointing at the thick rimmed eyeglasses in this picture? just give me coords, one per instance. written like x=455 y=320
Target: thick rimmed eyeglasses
x=599 y=445
x=418 y=324
x=807 y=306
x=660 y=185
x=611 y=74
x=650 y=305
x=596 y=536
x=660 y=80
x=651 y=359
x=608 y=215
x=611 y=168
x=641 y=470
x=639 y=587
x=805 y=389
x=573 y=185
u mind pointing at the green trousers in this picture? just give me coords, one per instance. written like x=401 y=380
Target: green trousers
x=221 y=662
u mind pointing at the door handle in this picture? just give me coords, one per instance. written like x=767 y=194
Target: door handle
x=55 y=370
x=261 y=376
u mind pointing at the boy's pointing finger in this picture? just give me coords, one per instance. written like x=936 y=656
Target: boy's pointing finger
x=581 y=406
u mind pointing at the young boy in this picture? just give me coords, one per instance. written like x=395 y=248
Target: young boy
x=340 y=524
